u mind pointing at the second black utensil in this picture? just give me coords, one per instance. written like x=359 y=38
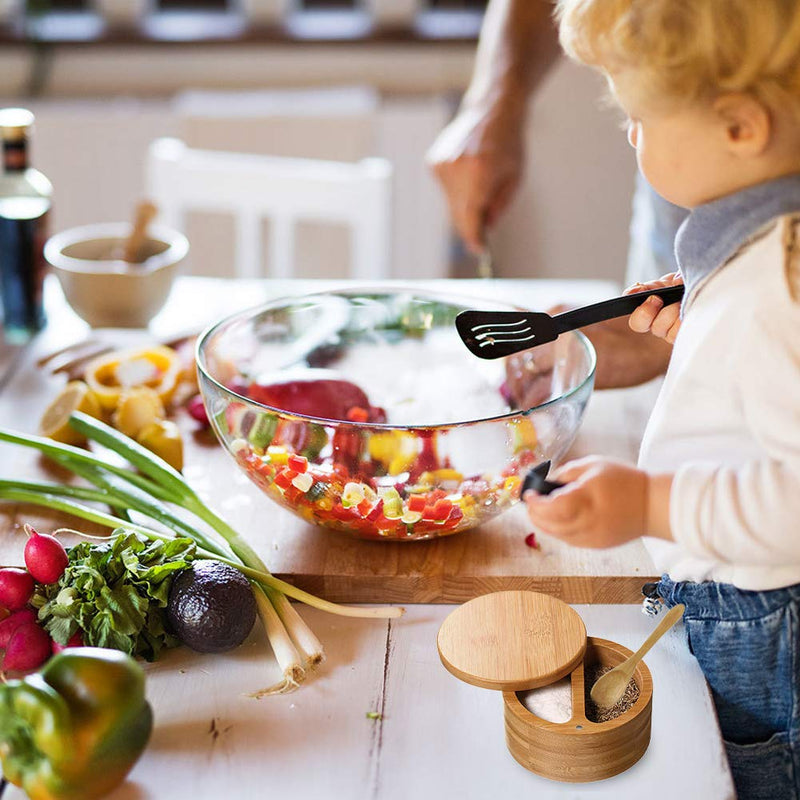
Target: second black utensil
x=494 y=334
x=536 y=479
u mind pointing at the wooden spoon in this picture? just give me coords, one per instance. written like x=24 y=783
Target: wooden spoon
x=611 y=686
x=131 y=251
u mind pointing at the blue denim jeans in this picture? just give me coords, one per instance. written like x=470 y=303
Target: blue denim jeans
x=748 y=646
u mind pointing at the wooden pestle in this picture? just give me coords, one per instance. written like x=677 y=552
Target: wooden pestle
x=132 y=248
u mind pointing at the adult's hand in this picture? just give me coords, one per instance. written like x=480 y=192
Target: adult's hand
x=478 y=157
x=478 y=160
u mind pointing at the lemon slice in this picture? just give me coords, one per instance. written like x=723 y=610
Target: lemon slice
x=75 y=396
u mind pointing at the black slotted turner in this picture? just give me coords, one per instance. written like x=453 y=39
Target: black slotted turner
x=494 y=334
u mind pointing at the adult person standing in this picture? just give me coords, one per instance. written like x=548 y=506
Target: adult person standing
x=479 y=161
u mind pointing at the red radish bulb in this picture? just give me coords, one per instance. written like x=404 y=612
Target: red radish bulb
x=28 y=649
x=10 y=624
x=76 y=640
x=197 y=410
x=45 y=557
x=16 y=588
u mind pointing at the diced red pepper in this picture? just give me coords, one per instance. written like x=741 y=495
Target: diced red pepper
x=417 y=502
x=364 y=507
x=390 y=526
x=455 y=514
x=376 y=512
x=292 y=493
x=284 y=478
x=441 y=508
x=342 y=513
x=298 y=463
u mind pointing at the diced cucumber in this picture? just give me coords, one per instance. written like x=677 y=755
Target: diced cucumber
x=262 y=431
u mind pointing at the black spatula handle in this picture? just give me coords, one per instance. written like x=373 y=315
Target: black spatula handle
x=616 y=307
x=536 y=479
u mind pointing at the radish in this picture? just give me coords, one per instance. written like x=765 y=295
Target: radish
x=10 y=624
x=16 y=588
x=197 y=410
x=28 y=649
x=76 y=640
x=45 y=557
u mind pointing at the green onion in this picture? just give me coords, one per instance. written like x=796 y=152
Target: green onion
x=295 y=646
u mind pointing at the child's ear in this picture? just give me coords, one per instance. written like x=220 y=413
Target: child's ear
x=747 y=123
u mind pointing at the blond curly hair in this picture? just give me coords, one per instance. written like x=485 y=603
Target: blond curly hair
x=681 y=51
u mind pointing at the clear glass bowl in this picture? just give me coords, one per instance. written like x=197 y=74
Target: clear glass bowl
x=394 y=430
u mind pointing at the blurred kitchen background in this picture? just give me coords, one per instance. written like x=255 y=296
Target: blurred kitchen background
x=330 y=79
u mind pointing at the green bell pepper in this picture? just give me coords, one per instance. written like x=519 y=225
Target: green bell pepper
x=73 y=730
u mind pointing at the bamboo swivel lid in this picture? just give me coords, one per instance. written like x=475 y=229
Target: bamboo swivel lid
x=512 y=641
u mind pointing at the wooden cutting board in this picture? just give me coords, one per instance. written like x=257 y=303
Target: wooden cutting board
x=448 y=570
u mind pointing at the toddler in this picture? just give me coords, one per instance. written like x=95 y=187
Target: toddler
x=712 y=93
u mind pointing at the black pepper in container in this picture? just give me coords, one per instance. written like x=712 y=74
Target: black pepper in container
x=595 y=713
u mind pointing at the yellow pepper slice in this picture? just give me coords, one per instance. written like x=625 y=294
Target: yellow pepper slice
x=109 y=375
x=164 y=439
x=137 y=409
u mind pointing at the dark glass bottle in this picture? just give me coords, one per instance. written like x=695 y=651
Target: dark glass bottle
x=25 y=199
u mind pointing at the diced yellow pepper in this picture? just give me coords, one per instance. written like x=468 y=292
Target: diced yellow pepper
x=524 y=434
x=395 y=450
x=277 y=454
x=444 y=474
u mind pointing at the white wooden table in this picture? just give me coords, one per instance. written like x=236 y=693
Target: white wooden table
x=436 y=736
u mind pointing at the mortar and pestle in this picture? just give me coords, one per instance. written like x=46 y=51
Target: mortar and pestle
x=116 y=274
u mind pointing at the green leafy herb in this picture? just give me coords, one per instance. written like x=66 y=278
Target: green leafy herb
x=115 y=593
x=152 y=491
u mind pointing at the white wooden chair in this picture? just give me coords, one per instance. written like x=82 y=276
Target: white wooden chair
x=282 y=190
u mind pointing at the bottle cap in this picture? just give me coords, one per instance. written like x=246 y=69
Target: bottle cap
x=15 y=123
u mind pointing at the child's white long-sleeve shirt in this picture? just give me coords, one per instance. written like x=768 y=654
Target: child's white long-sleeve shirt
x=727 y=420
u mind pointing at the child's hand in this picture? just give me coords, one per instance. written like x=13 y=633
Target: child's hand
x=653 y=316
x=604 y=504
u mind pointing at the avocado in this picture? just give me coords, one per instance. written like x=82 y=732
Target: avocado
x=211 y=607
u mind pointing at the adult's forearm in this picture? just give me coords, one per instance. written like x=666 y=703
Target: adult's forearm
x=517 y=46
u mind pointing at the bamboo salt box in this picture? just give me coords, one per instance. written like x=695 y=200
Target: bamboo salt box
x=517 y=641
